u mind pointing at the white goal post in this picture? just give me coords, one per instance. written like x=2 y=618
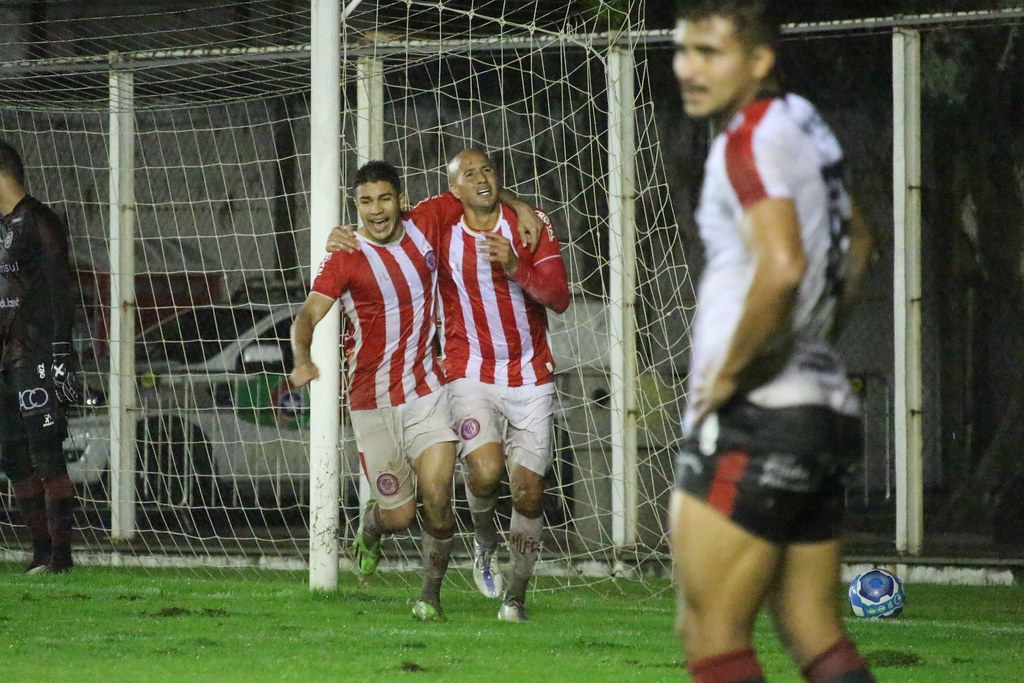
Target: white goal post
x=200 y=157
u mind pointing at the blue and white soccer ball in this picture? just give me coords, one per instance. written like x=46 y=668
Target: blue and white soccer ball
x=876 y=594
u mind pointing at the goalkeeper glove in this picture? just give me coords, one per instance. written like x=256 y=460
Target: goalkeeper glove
x=69 y=390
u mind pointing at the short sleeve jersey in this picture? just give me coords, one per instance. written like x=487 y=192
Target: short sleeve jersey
x=493 y=331
x=37 y=291
x=387 y=294
x=775 y=148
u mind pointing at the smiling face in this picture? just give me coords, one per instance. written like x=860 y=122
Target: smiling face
x=379 y=206
x=472 y=178
x=718 y=75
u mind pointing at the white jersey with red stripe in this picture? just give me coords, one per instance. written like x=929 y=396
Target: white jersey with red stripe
x=775 y=148
x=388 y=295
x=493 y=331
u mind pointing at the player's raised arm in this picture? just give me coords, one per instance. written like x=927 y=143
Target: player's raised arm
x=312 y=312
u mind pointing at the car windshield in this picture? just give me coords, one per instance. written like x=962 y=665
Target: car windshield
x=195 y=335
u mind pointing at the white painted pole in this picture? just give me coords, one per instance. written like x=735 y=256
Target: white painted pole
x=369 y=146
x=121 y=327
x=325 y=213
x=622 y=292
x=906 y=69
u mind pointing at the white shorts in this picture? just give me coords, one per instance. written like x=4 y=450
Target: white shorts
x=520 y=418
x=390 y=440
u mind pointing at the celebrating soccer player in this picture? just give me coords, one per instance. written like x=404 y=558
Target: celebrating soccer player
x=494 y=292
x=399 y=413
x=772 y=424
x=37 y=380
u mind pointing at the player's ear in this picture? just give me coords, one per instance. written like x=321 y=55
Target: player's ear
x=762 y=61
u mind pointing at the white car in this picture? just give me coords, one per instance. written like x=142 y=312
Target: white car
x=218 y=420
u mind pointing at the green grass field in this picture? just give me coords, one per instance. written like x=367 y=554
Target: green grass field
x=110 y=624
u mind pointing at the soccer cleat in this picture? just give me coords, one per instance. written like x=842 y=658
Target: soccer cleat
x=424 y=611
x=367 y=556
x=38 y=569
x=512 y=609
x=485 y=570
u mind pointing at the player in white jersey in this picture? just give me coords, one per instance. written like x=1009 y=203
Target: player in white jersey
x=399 y=412
x=771 y=426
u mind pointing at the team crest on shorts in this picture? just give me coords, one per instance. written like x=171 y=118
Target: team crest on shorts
x=430 y=259
x=387 y=484
x=470 y=428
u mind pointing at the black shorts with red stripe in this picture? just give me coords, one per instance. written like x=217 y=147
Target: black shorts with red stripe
x=777 y=472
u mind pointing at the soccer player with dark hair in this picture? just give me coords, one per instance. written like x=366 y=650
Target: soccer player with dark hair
x=772 y=425
x=37 y=380
x=387 y=290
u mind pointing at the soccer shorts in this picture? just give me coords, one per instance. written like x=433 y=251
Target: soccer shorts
x=32 y=422
x=520 y=418
x=778 y=473
x=390 y=440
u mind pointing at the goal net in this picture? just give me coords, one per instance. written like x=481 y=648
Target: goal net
x=218 y=95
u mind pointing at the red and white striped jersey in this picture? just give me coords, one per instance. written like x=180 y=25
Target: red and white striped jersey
x=495 y=328
x=388 y=294
x=775 y=148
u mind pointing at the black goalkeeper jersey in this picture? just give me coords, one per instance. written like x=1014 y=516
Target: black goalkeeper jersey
x=36 y=287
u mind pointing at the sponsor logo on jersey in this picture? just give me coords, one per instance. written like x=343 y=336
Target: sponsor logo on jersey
x=33 y=400
x=10 y=302
x=387 y=484
x=41 y=371
x=48 y=420
x=12 y=267
x=470 y=428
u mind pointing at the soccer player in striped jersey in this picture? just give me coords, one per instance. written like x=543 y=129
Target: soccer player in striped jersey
x=496 y=283
x=495 y=292
x=387 y=289
x=772 y=425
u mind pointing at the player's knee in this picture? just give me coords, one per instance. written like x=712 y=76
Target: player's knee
x=437 y=499
x=399 y=518
x=484 y=476
x=439 y=521
x=527 y=499
x=49 y=462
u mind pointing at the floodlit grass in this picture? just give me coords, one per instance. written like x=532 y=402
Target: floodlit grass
x=108 y=624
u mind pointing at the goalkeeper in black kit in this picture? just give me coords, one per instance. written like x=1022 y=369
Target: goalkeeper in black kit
x=37 y=380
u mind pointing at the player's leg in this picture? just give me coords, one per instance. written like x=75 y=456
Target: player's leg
x=524 y=539
x=805 y=611
x=45 y=428
x=435 y=468
x=723 y=574
x=392 y=483
x=26 y=485
x=530 y=412
x=478 y=420
x=29 y=494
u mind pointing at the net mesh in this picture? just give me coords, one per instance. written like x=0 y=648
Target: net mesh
x=221 y=99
